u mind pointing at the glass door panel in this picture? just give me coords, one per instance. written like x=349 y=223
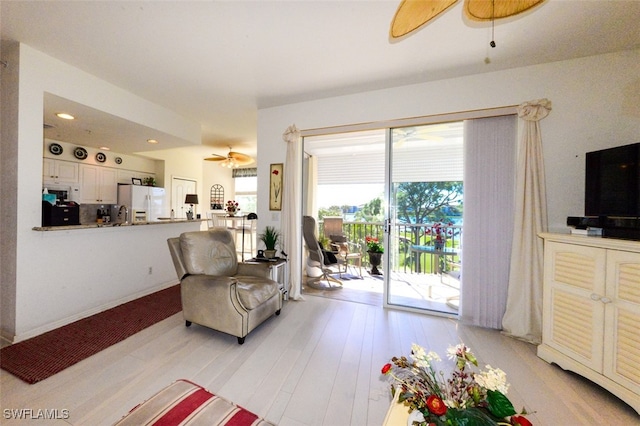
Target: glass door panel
x=424 y=199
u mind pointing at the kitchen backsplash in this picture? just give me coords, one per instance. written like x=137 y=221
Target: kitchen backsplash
x=89 y=212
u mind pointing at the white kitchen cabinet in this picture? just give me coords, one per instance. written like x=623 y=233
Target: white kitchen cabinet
x=591 y=311
x=99 y=185
x=59 y=172
x=125 y=176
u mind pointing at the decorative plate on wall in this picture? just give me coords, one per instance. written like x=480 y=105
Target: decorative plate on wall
x=118 y=160
x=100 y=157
x=55 y=149
x=80 y=153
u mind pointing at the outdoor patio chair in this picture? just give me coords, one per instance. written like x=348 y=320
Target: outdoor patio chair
x=347 y=253
x=317 y=270
x=332 y=225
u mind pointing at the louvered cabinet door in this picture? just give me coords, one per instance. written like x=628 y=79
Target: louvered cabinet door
x=573 y=315
x=622 y=332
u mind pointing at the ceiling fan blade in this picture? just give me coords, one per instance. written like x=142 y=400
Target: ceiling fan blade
x=216 y=157
x=483 y=10
x=241 y=159
x=412 y=14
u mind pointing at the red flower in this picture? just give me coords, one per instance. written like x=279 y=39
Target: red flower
x=386 y=368
x=436 y=406
x=520 y=421
x=275 y=172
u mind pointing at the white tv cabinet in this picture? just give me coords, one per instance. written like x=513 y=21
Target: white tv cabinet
x=591 y=310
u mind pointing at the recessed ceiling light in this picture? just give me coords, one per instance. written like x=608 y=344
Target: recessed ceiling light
x=105 y=148
x=152 y=141
x=65 y=116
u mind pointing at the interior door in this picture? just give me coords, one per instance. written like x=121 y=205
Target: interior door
x=180 y=187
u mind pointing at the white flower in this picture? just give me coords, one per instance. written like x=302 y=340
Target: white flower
x=417 y=352
x=421 y=357
x=433 y=356
x=493 y=379
x=454 y=351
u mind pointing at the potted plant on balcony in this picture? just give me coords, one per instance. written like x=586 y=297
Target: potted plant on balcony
x=375 y=250
x=439 y=232
x=270 y=237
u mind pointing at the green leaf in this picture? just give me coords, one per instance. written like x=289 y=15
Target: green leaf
x=468 y=417
x=499 y=405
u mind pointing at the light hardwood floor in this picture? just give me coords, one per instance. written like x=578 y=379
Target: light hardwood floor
x=318 y=363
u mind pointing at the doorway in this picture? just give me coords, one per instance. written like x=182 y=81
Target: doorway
x=180 y=187
x=370 y=179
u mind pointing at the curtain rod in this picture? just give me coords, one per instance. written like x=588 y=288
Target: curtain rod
x=413 y=121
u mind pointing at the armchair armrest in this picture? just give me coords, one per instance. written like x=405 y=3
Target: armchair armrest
x=254 y=269
x=213 y=301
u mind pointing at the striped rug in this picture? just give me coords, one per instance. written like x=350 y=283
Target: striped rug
x=43 y=356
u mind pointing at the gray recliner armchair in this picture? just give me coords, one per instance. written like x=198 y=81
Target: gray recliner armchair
x=217 y=291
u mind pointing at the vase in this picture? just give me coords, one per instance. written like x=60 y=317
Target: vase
x=270 y=254
x=415 y=416
x=375 y=259
x=439 y=244
x=231 y=214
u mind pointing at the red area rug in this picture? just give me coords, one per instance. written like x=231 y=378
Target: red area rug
x=43 y=356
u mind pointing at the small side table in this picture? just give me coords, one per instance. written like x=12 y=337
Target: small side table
x=279 y=273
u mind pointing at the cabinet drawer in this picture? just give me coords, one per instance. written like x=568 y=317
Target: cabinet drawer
x=59 y=216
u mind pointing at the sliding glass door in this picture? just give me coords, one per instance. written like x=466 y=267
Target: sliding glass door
x=424 y=217
x=419 y=171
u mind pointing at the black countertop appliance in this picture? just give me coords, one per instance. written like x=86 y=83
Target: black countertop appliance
x=60 y=215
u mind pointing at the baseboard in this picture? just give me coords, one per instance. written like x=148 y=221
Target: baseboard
x=60 y=323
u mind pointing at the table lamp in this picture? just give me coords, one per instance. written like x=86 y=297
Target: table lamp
x=191 y=199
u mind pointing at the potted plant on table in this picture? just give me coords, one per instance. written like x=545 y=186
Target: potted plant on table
x=375 y=250
x=439 y=232
x=270 y=237
x=232 y=208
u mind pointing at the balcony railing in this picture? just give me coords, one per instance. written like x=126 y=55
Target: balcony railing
x=409 y=237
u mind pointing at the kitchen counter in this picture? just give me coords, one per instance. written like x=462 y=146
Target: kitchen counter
x=114 y=225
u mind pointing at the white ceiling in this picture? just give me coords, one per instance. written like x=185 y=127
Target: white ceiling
x=218 y=62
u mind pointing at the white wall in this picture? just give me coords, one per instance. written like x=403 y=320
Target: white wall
x=56 y=277
x=596 y=104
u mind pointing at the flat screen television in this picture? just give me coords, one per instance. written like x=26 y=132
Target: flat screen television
x=612 y=185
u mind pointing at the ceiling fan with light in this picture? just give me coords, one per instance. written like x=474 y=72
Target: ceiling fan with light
x=412 y=14
x=232 y=160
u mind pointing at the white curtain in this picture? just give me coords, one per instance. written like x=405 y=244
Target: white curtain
x=489 y=187
x=311 y=184
x=523 y=316
x=291 y=214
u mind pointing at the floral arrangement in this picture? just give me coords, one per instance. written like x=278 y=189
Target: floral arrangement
x=374 y=245
x=466 y=398
x=440 y=231
x=232 y=207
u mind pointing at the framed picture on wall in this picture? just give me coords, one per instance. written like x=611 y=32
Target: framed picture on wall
x=136 y=181
x=275 y=187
